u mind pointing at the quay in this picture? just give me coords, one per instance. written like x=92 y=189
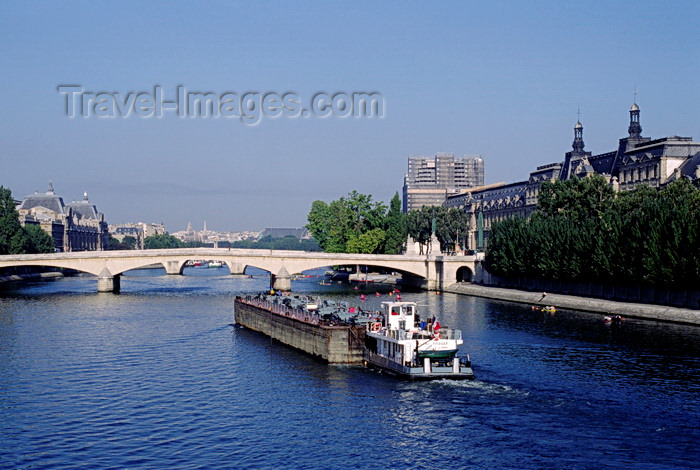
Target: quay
x=587 y=304
x=302 y=329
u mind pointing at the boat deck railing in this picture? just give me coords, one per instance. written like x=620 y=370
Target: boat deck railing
x=445 y=333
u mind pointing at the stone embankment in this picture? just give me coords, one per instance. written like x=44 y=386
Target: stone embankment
x=29 y=277
x=607 y=307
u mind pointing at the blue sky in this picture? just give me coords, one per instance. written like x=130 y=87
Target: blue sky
x=500 y=79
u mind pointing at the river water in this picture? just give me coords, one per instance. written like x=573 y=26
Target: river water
x=158 y=377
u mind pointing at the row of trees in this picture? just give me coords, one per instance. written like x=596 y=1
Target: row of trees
x=583 y=231
x=163 y=241
x=357 y=224
x=15 y=239
x=449 y=225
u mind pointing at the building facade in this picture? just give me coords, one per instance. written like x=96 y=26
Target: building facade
x=638 y=160
x=431 y=179
x=77 y=226
x=139 y=231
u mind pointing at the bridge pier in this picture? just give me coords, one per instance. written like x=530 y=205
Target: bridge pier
x=108 y=283
x=173 y=267
x=281 y=281
x=235 y=268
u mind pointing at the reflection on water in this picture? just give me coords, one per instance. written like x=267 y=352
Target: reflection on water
x=159 y=377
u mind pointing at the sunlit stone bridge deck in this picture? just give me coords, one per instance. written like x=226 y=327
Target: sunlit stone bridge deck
x=432 y=272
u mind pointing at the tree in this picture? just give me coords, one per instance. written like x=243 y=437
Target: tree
x=328 y=225
x=504 y=255
x=39 y=240
x=582 y=232
x=129 y=242
x=451 y=227
x=575 y=198
x=13 y=239
x=162 y=241
x=420 y=224
x=332 y=225
x=368 y=242
x=395 y=228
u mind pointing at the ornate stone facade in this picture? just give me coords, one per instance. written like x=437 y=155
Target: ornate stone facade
x=638 y=160
x=74 y=227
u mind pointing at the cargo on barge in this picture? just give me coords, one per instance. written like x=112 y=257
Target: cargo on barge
x=325 y=331
x=394 y=341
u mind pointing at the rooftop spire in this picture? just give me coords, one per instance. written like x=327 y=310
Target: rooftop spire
x=50 y=190
x=578 y=137
x=635 y=128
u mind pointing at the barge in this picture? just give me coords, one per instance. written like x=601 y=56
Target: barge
x=392 y=340
x=330 y=332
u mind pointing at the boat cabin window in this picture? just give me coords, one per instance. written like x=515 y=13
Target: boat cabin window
x=395 y=310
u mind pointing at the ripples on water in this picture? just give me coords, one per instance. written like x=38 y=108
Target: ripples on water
x=158 y=377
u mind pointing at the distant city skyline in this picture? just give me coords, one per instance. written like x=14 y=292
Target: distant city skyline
x=504 y=81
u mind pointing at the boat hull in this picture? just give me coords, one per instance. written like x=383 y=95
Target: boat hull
x=437 y=372
x=446 y=354
x=332 y=344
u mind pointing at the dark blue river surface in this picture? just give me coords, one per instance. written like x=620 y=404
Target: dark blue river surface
x=158 y=377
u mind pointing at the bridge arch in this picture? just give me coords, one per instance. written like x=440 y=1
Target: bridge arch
x=434 y=271
x=464 y=274
x=53 y=264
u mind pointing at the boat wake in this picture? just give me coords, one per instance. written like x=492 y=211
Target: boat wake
x=485 y=387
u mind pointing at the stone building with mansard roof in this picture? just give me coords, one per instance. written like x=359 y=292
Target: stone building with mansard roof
x=77 y=226
x=638 y=160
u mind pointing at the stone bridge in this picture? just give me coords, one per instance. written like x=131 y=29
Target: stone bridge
x=432 y=272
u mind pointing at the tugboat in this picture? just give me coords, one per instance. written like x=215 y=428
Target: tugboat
x=398 y=343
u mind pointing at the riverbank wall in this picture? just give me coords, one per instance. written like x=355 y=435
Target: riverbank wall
x=11 y=278
x=332 y=344
x=607 y=307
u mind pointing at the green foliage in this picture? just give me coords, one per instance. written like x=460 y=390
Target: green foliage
x=451 y=226
x=332 y=225
x=356 y=224
x=13 y=240
x=576 y=199
x=162 y=241
x=38 y=240
x=582 y=232
x=395 y=228
x=127 y=243
x=368 y=242
x=504 y=256
x=419 y=224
